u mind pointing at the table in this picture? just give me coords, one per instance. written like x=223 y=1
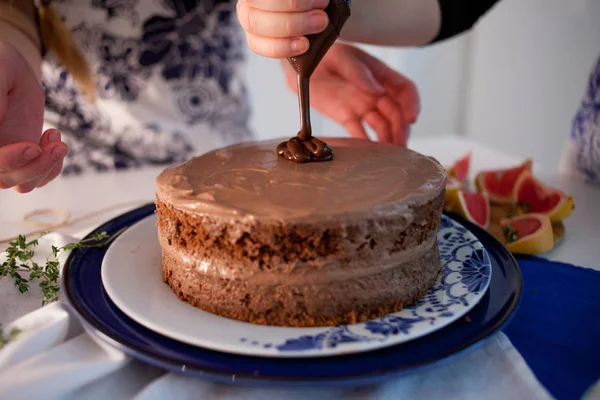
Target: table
x=126 y=190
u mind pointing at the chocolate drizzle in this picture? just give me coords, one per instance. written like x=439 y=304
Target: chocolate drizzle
x=302 y=151
x=304 y=147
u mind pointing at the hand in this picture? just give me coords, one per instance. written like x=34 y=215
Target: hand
x=353 y=87
x=27 y=160
x=278 y=28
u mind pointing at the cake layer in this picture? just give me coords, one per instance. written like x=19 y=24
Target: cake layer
x=248 y=182
x=279 y=251
x=329 y=304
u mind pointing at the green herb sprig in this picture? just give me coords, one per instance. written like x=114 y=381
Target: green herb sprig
x=21 y=267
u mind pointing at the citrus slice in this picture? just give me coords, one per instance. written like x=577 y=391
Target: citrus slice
x=499 y=184
x=460 y=169
x=538 y=198
x=474 y=207
x=453 y=185
x=528 y=234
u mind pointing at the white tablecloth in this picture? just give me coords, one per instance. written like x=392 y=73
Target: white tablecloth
x=55 y=358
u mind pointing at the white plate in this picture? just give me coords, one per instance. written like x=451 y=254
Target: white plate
x=131 y=275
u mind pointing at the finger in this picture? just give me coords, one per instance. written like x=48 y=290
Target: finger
x=356 y=129
x=286 y=6
x=282 y=25
x=391 y=110
x=408 y=98
x=347 y=114
x=397 y=85
x=341 y=113
x=400 y=137
x=403 y=140
x=351 y=68
x=381 y=126
x=277 y=47
x=32 y=184
x=52 y=175
x=39 y=167
x=41 y=181
x=336 y=99
x=16 y=155
x=49 y=136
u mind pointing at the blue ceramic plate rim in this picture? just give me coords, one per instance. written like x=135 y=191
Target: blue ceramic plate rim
x=94 y=309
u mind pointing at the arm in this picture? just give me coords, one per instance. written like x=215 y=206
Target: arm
x=393 y=22
x=277 y=29
x=412 y=22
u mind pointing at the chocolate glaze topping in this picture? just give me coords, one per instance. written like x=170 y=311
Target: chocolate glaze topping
x=304 y=147
x=246 y=181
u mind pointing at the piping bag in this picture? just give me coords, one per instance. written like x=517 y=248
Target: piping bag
x=304 y=147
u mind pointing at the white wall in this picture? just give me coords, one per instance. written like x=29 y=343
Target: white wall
x=529 y=63
x=439 y=71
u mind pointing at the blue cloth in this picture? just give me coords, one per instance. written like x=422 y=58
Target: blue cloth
x=557 y=326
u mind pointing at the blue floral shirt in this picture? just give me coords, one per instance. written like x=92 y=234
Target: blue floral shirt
x=585 y=134
x=169 y=77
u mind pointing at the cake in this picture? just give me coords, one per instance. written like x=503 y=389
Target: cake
x=247 y=235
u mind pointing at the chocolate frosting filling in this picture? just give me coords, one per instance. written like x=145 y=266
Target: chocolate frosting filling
x=245 y=181
x=330 y=270
x=304 y=147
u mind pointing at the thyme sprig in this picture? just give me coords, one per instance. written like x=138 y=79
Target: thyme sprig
x=21 y=267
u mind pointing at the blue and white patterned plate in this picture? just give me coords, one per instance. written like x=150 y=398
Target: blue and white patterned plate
x=84 y=292
x=131 y=275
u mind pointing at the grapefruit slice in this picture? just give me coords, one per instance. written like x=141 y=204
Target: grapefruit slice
x=538 y=198
x=453 y=185
x=460 y=168
x=528 y=234
x=474 y=207
x=499 y=184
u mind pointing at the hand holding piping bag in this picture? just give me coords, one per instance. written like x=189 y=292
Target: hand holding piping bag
x=350 y=86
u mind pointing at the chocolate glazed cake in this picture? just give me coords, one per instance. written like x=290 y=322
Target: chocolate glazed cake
x=248 y=235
